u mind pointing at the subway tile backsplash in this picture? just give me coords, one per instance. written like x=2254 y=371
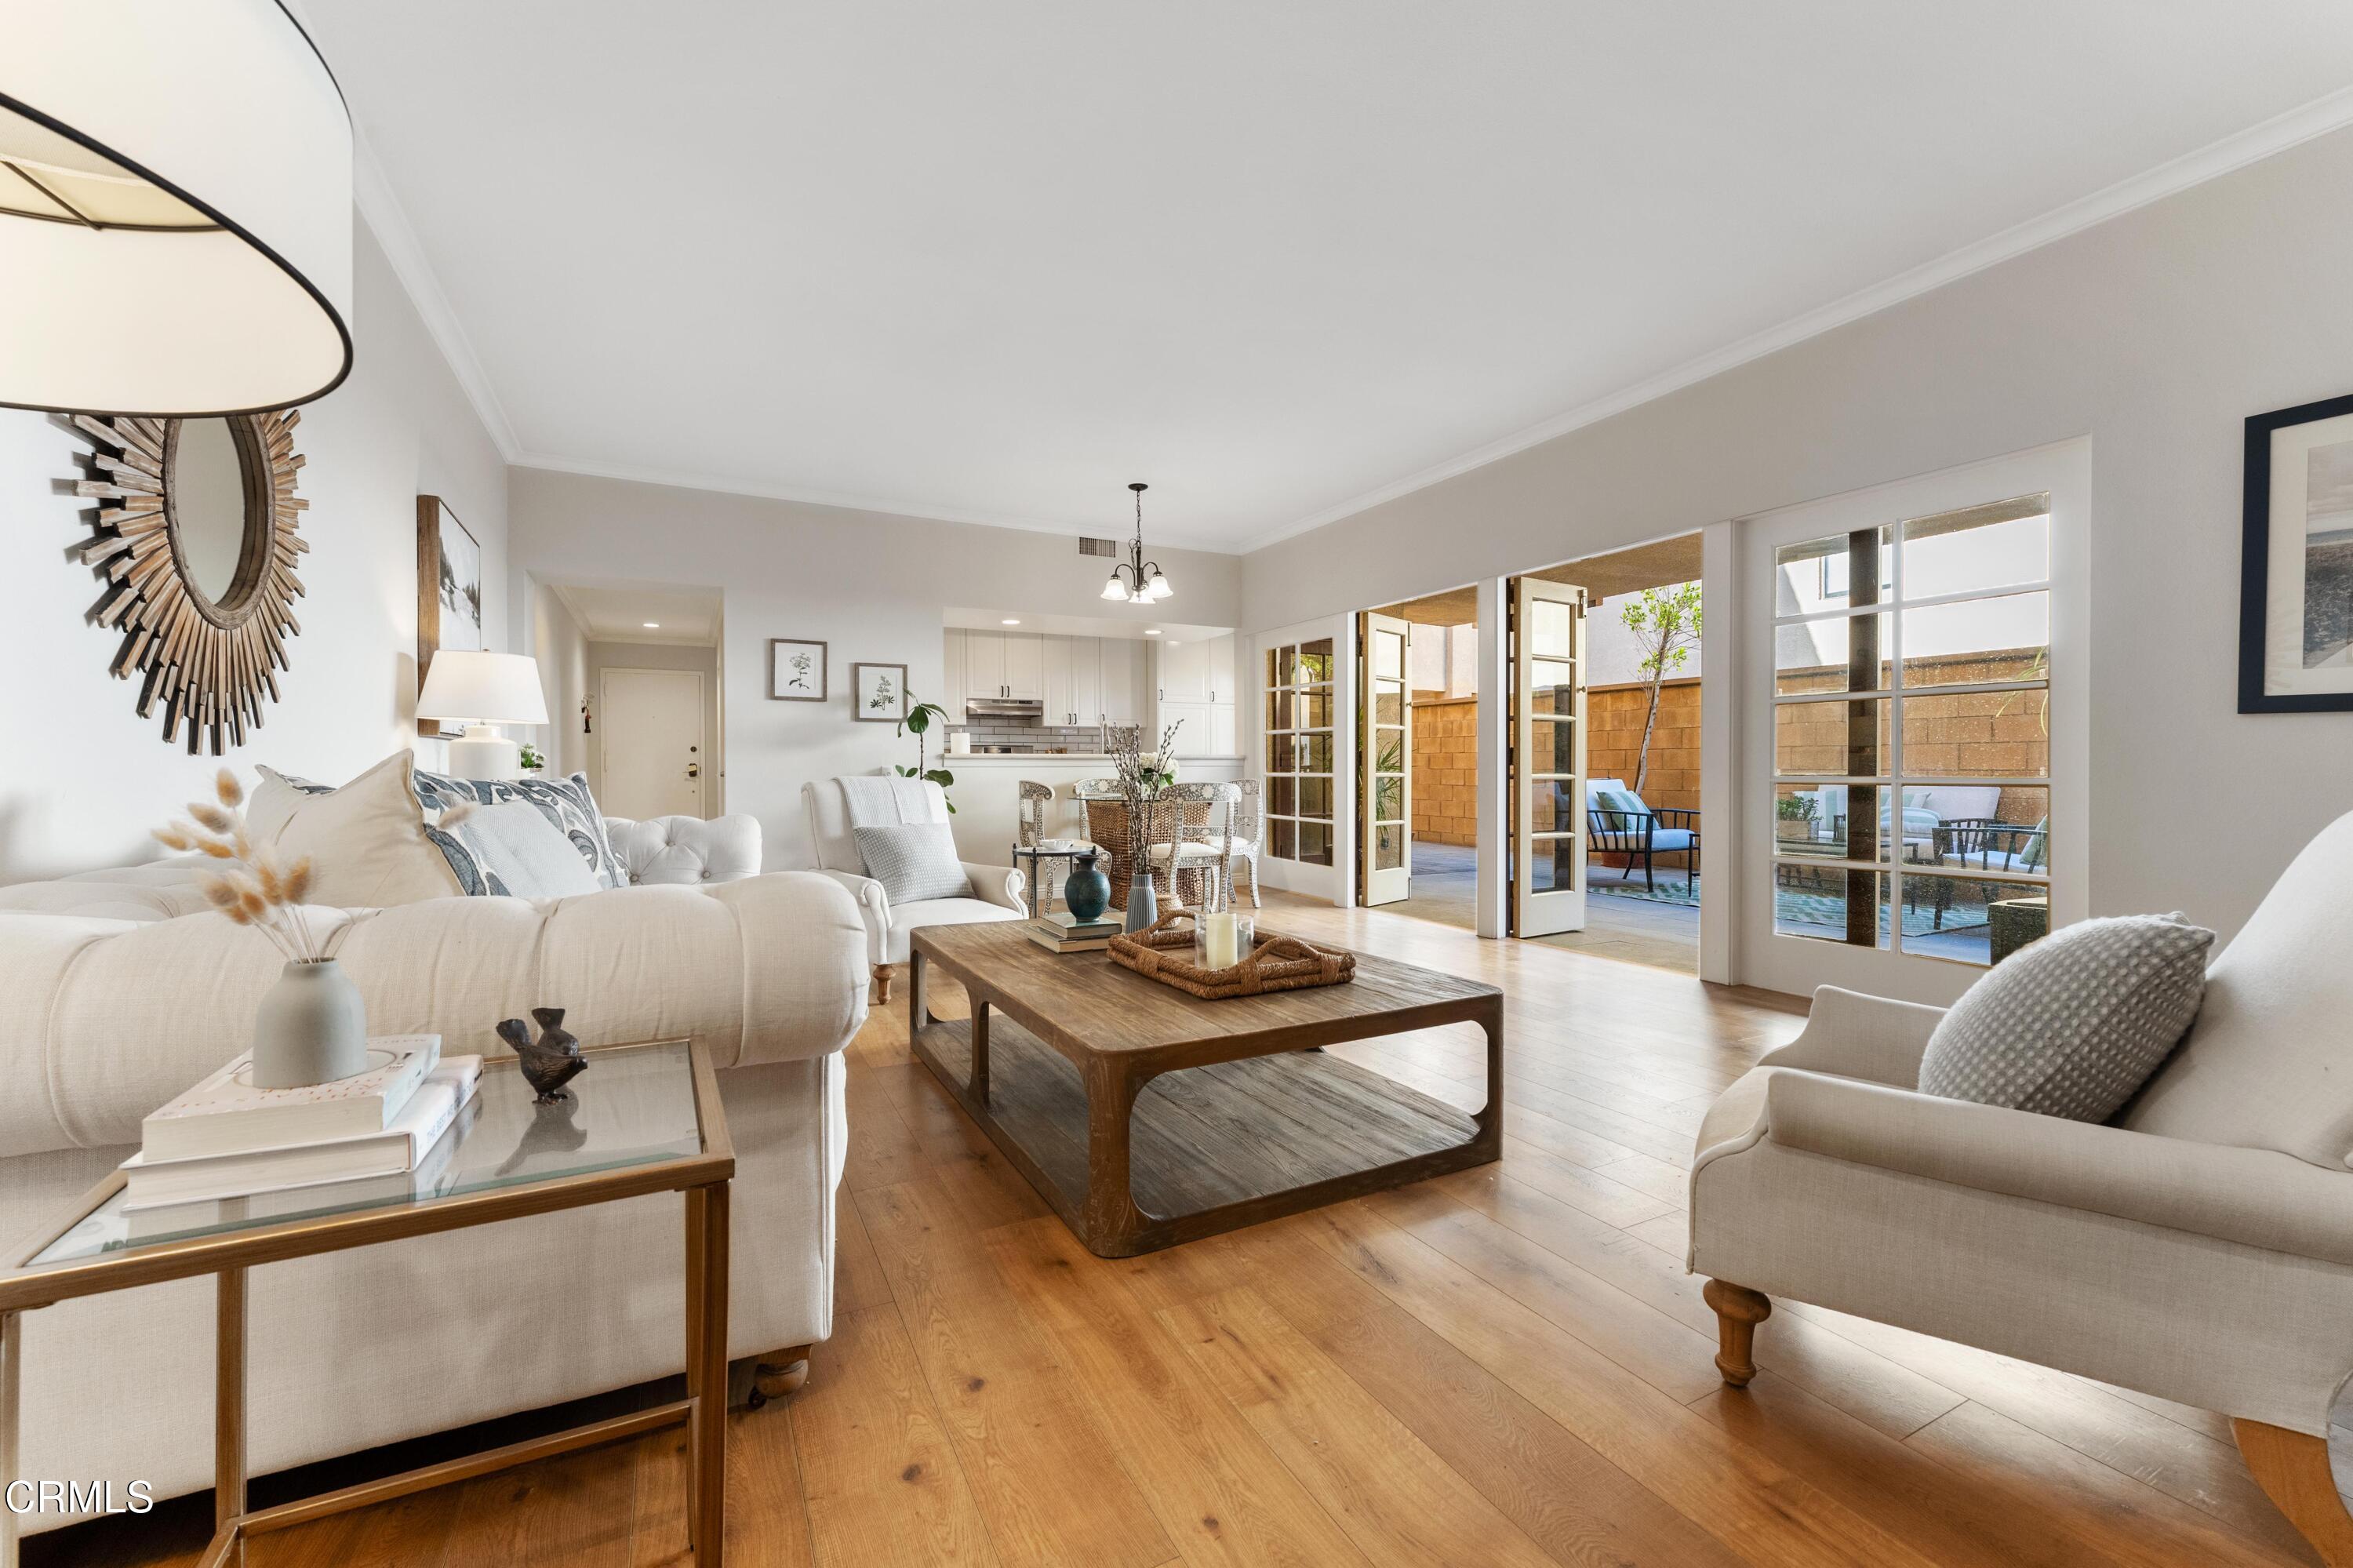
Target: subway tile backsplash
x=1031 y=735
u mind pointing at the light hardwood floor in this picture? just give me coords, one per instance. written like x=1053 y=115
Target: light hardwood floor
x=1505 y=1366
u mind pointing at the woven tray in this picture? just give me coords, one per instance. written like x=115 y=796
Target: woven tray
x=1164 y=951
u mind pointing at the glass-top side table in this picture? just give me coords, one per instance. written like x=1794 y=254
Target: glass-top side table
x=642 y=1119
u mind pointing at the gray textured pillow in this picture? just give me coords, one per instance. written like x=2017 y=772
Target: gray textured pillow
x=517 y=848
x=913 y=861
x=2072 y=1025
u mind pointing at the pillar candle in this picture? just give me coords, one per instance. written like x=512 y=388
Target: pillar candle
x=1219 y=930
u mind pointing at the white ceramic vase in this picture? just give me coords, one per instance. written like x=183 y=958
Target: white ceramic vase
x=311 y=1027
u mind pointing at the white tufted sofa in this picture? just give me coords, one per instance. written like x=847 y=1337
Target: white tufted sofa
x=685 y=849
x=118 y=989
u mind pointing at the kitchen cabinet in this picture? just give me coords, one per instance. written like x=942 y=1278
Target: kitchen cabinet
x=1122 y=683
x=1225 y=685
x=1223 y=739
x=1086 y=683
x=1025 y=665
x=1055 y=659
x=983 y=665
x=1184 y=671
x=1192 y=719
x=952 y=690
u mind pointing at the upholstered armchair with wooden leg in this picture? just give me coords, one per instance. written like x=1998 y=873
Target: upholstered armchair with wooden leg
x=2198 y=1248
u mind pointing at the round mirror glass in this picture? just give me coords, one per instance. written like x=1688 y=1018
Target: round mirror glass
x=204 y=479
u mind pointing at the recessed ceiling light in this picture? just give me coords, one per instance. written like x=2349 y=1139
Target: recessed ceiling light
x=1010 y=621
x=1152 y=631
x=653 y=626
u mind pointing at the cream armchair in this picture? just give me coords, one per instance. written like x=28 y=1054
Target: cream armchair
x=995 y=891
x=2200 y=1249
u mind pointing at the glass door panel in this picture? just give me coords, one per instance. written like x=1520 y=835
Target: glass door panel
x=1546 y=718
x=1385 y=729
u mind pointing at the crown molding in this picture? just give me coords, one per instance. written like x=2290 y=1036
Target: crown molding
x=2252 y=145
x=372 y=193
x=921 y=511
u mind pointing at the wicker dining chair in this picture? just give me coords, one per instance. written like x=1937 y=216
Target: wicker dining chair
x=1107 y=828
x=1035 y=813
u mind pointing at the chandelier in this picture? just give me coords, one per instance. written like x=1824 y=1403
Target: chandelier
x=1137 y=580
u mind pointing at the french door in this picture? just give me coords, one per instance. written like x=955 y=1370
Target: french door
x=1385 y=727
x=1916 y=755
x=1547 y=756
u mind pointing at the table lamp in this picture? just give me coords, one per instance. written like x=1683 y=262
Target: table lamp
x=480 y=691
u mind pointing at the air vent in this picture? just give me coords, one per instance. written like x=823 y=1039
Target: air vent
x=1098 y=546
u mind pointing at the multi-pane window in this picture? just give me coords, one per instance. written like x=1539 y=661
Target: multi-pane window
x=1299 y=752
x=1912 y=734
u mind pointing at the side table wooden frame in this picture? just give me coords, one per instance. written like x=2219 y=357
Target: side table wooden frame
x=701 y=1179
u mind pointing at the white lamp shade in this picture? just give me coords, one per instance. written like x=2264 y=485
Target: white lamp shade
x=490 y=688
x=176 y=208
x=1114 y=588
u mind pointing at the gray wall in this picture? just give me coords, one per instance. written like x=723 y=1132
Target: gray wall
x=2156 y=333
x=871 y=584
x=658 y=656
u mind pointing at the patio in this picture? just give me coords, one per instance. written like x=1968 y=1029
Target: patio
x=1622 y=922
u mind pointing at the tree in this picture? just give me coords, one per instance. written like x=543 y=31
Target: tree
x=1665 y=623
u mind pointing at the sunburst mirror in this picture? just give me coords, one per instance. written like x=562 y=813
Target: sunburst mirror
x=195 y=535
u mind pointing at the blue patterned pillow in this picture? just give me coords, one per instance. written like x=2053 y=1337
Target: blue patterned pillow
x=566 y=803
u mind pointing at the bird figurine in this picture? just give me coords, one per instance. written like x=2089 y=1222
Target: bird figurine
x=549 y=1062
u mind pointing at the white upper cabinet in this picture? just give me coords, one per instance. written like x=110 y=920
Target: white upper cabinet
x=1122 y=666
x=952 y=690
x=1224 y=684
x=1223 y=739
x=1184 y=671
x=1025 y=666
x=1057 y=684
x=1086 y=683
x=1194 y=730
x=983 y=665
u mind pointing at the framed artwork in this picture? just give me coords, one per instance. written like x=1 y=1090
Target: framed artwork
x=880 y=692
x=449 y=590
x=2295 y=578
x=796 y=670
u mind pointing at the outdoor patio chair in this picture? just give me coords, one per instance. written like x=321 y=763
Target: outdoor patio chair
x=1620 y=823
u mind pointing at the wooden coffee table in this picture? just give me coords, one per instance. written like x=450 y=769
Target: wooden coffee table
x=1147 y=1118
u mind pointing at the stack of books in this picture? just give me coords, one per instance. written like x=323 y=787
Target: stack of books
x=1062 y=932
x=225 y=1139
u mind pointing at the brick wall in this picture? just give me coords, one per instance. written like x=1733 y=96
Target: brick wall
x=1989 y=735
x=1613 y=740
x=1445 y=769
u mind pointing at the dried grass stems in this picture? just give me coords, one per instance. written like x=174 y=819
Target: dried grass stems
x=260 y=888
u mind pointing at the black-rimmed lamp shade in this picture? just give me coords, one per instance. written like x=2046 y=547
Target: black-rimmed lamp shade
x=176 y=208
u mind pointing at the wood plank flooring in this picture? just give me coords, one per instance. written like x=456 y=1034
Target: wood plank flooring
x=1503 y=1366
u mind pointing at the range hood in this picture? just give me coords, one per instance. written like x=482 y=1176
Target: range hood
x=1004 y=707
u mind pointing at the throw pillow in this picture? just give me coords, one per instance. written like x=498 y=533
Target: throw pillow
x=367 y=841
x=519 y=851
x=913 y=861
x=565 y=802
x=2073 y=1025
x=1622 y=808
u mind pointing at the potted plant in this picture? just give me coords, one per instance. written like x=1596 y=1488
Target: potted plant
x=919 y=720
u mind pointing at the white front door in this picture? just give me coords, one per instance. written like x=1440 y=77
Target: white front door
x=1547 y=761
x=655 y=756
x=1386 y=754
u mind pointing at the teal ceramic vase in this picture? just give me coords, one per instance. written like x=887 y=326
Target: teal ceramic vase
x=1087 y=893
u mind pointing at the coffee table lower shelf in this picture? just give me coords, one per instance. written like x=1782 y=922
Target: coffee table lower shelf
x=1204 y=1149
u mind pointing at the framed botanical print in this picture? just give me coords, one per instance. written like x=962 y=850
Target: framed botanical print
x=2296 y=581
x=796 y=670
x=880 y=691
x=449 y=590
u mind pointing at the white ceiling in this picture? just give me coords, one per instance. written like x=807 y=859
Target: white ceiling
x=1279 y=258
x=618 y=612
